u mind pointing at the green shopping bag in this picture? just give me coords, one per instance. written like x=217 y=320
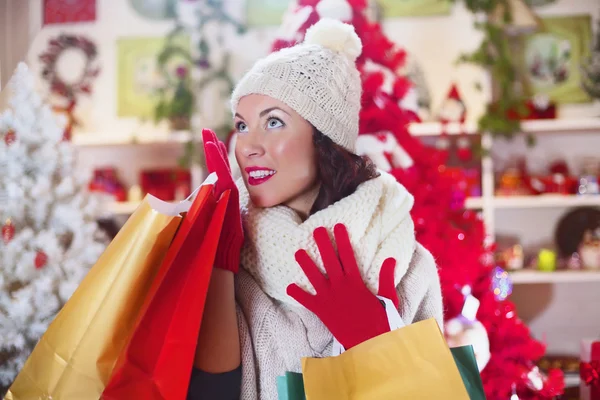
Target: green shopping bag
x=464 y=357
x=290 y=386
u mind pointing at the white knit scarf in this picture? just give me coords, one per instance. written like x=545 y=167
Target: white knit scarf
x=377 y=216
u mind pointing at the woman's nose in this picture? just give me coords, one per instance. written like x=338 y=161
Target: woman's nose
x=251 y=145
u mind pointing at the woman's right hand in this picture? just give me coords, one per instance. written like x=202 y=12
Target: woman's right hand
x=232 y=233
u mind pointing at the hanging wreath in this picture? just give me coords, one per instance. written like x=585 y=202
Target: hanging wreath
x=50 y=73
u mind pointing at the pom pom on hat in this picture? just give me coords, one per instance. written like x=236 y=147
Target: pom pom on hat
x=335 y=35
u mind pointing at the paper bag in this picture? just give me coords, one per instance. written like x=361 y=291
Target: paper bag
x=413 y=362
x=75 y=357
x=290 y=387
x=464 y=357
x=157 y=362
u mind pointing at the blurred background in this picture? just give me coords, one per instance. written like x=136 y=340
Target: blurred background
x=510 y=107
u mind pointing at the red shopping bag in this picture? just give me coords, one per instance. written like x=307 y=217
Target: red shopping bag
x=157 y=362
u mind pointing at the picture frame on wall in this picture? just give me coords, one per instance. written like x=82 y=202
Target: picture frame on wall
x=415 y=8
x=138 y=77
x=552 y=57
x=69 y=11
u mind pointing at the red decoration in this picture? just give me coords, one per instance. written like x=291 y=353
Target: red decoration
x=8 y=231
x=166 y=184
x=589 y=371
x=105 y=180
x=456 y=237
x=64 y=11
x=49 y=58
x=10 y=137
x=40 y=259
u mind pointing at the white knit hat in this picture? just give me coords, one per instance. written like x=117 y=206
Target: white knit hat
x=317 y=78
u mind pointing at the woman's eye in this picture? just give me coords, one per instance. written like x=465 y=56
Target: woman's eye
x=241 y=127
x=274 y=123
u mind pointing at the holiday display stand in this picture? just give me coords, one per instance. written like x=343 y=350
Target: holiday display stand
x=589 y=371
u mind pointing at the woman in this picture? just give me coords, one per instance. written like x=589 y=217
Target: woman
x=296 y=115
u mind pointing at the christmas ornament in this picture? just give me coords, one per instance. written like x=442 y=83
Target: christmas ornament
x=10 y=137
x=501 y=284
x=589 y=249
x=56 y=48
x=453 y=108
x=8 y=231
x=459 y=333
x=463 y=145
x=546 y=260
x=442 y=144
x=40 y=259
x=335 y=9
x=66 y=89
x=383 y=150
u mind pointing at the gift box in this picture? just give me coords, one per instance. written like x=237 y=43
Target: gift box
x=168 y=183
x=589 y=370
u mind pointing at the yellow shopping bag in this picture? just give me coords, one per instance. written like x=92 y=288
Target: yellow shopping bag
x=75 y=357
x=413 y=362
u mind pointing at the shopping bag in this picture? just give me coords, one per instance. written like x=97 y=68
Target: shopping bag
x=76 y=355
x=290 y=386
x=158 y=360
x=413 y=362
x=464 y=357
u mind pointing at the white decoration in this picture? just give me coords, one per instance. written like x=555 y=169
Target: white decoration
x=462 y=333
x=44 y=197
x=377 y=146
x=293 y=20
x=335 y=9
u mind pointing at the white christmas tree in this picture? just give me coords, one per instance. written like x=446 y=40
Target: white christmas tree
x=50 y=237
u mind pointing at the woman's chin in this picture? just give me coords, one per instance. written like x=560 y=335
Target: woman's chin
x=262 y=201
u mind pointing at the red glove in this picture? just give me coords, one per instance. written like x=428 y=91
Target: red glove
x=343 y=302
x=232 y=234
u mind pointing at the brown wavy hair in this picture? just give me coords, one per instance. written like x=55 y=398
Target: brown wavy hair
x=340 y=172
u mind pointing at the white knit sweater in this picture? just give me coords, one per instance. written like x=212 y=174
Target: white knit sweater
x=275 y=331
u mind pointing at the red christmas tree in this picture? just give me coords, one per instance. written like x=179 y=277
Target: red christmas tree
x=455 y=237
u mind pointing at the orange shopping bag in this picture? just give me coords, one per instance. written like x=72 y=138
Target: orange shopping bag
x=75 y=358
x=158 y=360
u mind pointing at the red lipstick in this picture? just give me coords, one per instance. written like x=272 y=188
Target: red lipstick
x=258 y=175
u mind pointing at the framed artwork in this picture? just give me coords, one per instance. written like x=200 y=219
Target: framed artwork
x=552 y=57
x=67 y=11
x=415 y=8
x=265 y=12
x=138 y=77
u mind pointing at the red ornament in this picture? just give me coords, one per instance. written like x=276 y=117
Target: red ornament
x=8 y=231
x=40 y=259
x=464 y=149
x=10 y=137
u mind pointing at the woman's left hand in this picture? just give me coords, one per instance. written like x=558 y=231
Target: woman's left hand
x=343 y=302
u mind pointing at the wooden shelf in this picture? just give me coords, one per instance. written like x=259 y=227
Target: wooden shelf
x=546 y=201
x=539 y=126
x=531 y=277
x=99 y=140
